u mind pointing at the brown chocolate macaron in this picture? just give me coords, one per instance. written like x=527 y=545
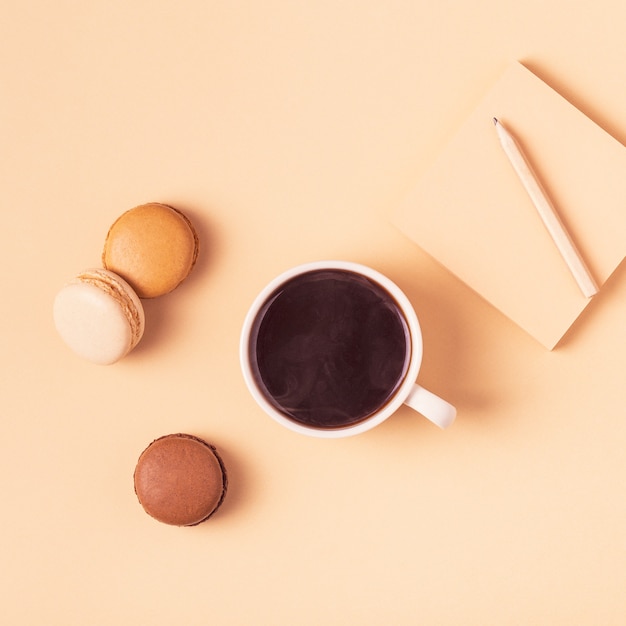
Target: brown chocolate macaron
x=153 y=247
x=180 y=480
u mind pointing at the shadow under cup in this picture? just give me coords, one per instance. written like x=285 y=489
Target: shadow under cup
x=327 y=349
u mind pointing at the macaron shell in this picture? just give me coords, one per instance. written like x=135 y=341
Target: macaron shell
x=180 y=480
x=153 y=247
x=99 y=317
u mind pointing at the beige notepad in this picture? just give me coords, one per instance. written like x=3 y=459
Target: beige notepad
x=471 y=213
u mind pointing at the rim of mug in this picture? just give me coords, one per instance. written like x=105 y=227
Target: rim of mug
x=391 y=406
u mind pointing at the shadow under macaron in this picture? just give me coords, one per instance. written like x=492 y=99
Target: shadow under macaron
x=162 y=314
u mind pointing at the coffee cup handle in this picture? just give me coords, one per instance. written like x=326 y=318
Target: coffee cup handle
x=432 y=407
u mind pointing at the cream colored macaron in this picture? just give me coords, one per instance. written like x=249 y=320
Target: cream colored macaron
x=99 y=316
x=153 y=247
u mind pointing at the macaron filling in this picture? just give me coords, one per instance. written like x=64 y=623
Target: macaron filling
x=111 y=285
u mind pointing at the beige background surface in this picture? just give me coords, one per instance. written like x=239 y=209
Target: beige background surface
x=289 y=132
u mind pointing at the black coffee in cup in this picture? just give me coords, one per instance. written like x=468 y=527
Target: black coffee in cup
x=329 y=348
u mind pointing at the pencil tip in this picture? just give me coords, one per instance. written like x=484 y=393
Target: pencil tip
x=495 y=120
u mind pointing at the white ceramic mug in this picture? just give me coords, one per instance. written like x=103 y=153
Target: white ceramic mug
x=407 y=390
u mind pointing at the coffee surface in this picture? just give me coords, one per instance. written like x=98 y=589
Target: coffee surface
x=329 y=348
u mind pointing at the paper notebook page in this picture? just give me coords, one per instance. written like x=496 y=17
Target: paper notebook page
x=471 y=213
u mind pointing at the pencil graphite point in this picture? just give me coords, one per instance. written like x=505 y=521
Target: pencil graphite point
x=495 y=120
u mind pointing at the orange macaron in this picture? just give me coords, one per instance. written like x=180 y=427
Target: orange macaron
x=153 y=247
